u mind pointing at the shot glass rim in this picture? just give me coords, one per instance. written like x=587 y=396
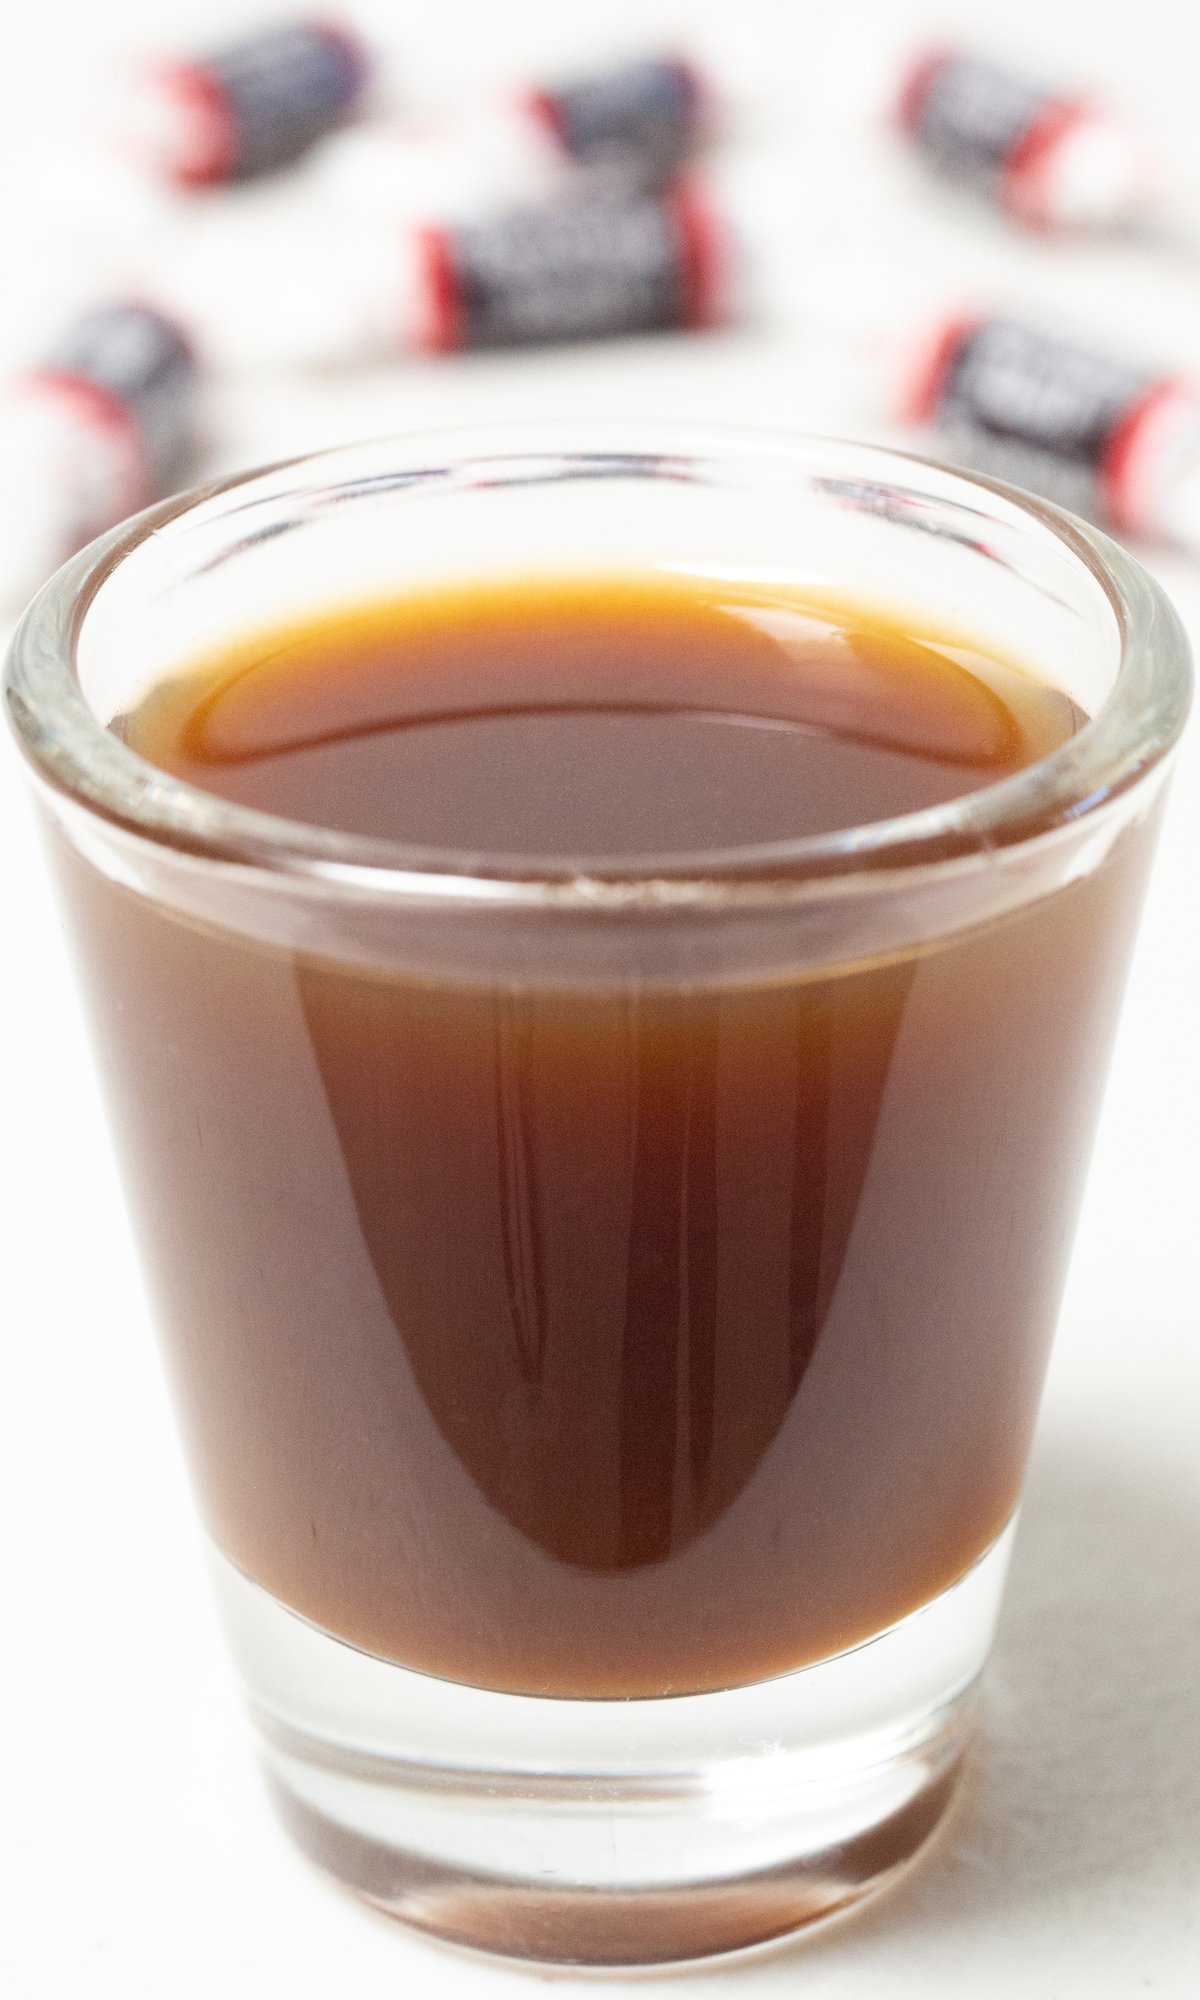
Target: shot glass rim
x=79 y=758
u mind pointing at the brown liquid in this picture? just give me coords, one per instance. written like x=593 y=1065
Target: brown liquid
x=605 y=1340
x=613 y=718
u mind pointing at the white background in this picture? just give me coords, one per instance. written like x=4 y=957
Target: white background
x=137 y=1855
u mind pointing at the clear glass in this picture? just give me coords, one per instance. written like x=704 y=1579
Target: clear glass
x=580 y=1621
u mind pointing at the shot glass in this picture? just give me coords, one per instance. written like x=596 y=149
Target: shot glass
x=609 y=1532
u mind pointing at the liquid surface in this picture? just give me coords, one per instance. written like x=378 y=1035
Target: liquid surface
x=619 y=1339
x=608 y=718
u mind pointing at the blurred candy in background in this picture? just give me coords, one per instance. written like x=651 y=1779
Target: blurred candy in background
x=240 y=110
x=235 y=232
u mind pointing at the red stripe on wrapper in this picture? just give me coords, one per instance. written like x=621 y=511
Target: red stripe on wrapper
x=101 y=411
x=1125 y=502
x=542 y=107
x=703 y=256
x=442 y=330
x=923 y=391
x=1023 y=192
x=914 y=91
x=207 y=138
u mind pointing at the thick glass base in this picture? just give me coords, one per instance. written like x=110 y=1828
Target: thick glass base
x=615 y=1832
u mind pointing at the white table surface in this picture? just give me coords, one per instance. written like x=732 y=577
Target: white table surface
x=137 y=1854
